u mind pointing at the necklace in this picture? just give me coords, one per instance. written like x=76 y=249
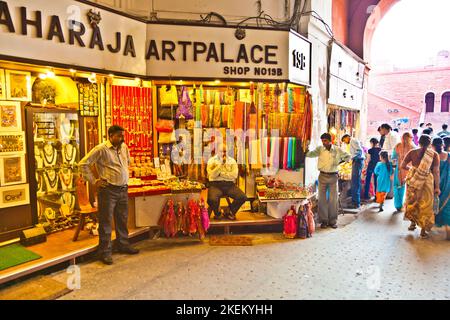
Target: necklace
x=66 y=178
x=68 y=199
x=52 y=182
x=66 y=153
x=49 y=157
x=39 y=181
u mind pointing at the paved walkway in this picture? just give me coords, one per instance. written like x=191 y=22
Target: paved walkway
x=372 y=256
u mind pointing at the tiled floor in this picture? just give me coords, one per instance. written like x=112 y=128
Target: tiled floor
x=372 y=256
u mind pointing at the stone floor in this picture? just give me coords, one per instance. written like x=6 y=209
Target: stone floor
x=370 y=256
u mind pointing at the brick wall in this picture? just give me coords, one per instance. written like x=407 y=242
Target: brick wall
x=405 y=90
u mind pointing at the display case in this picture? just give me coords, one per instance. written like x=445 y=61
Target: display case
x=54 y=142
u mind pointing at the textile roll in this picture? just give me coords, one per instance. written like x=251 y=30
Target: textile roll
x=291 y=100
x=275 y=152
x=293 y=162
x=239 y=115
x=285 y=152
x=255 y=154
x=197 y=145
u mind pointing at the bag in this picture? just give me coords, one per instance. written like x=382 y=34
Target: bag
x=290 y=224
x=205 y=215
x=168 y=96
x=165 y=125
x=302 y=231
x=166 y=137
x=166 y=112
x=185 y=105
x=311 y=222
x=436 y=205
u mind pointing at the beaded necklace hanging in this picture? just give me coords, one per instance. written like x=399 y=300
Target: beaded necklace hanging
x=48 y=155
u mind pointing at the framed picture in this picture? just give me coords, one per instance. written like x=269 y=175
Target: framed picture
x=18 y=85
x=2 y=85
x=14 y=196
x=10 y=116
x=12 y=170
x=12 y=144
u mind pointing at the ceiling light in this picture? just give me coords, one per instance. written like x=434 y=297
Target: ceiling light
x=42 y=76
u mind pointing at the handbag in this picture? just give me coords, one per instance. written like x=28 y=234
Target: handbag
x=166 y=112
x=165 y=125
x=184 y=105
x=168 y=96
x=166 y=137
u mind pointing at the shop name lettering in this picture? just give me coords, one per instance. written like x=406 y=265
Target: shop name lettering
x=164 y=50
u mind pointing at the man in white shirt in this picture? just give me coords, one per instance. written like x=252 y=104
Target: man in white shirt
x=357 y=156
x=391 y=140
x=222 y=174
x=330 y=157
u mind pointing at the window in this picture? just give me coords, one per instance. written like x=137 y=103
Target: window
x=429 y=102
x=445 y=102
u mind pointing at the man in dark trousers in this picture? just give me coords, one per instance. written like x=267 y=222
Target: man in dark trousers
x=111 y=160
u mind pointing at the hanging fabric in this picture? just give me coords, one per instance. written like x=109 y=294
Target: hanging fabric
x=239 y=115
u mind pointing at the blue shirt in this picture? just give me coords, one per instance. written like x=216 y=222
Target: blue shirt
x=383 y=177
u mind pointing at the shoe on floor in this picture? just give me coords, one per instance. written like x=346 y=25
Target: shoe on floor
x=128 y=250
x=324 y=225
x=231 y=216
x=333 y=226
x=106 y=259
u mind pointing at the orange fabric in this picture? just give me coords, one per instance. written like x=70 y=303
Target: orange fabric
x=239 y=115
x=381 y=196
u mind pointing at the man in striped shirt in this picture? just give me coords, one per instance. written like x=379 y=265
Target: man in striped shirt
x=111 y=160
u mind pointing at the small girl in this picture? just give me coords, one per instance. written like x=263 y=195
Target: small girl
x=383 y=171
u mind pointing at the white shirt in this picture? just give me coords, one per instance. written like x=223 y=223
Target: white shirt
x=390 y=141
x=329 y=160
x=356 y=150
x=219 y=171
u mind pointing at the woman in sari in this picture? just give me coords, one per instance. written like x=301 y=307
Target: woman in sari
x=399 y=154
x=422 y=184
x=443 y=216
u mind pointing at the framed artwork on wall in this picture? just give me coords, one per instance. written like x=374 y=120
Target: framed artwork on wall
x=13 y=196
x=12 y=144
x=2 y=85
x=10 y=116
x=12 y=170
x=18 y=85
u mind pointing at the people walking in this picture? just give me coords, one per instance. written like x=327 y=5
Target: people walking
x=443 y=216
x=357 y=156
x=383 y=172
x=399 y=154
x=422 y=183
x=391 y=140
x=329 y=157
x=444 y=131
x=373 y=157
x=415 y=133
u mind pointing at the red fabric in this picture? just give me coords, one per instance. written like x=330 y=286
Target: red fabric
x=239 y=115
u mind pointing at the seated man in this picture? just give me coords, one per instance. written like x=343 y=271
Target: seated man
x=222 y=174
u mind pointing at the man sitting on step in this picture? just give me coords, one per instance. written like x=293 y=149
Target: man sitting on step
x=222 y=174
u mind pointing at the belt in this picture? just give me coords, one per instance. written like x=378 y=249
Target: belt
x=112 y=186
x=329 y=173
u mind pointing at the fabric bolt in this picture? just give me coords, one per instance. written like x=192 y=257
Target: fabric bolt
x=285 y=152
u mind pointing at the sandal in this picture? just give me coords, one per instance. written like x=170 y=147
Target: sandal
x=412 y=227
x=424 y=235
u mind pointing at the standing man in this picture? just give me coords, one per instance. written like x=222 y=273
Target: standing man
x=357 y=156
x=421 y=128
x=111 y=160
x=391 y=140
x=444 y=131
x=329 y=158
x=382 y=137
x=222 y=174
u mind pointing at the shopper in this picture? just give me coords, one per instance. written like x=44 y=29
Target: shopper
x=447 y=143
x=357 y=156
x=415 y=133
x=329 y=157
x=399 y=154
x=444 y=131
x=222 y=174
x=422 y=183
x=421 y=128
x=390 y=142
x=382 y=137
x=111 y=160
x=373 y=157
x=443 y=216
x=383 y=171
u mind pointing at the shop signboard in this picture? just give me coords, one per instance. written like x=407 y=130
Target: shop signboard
x=75 y=33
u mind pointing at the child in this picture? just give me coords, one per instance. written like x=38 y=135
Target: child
x=372 y=159
x=383 y=171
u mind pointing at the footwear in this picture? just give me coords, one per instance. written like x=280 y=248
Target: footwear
x=412 y=227
x=354 y=206
x=424 y=234
x=217 y=218
x=381 y=210
x=324 y=225
x=333 y=226
x=129 y=250
x=107 y=259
